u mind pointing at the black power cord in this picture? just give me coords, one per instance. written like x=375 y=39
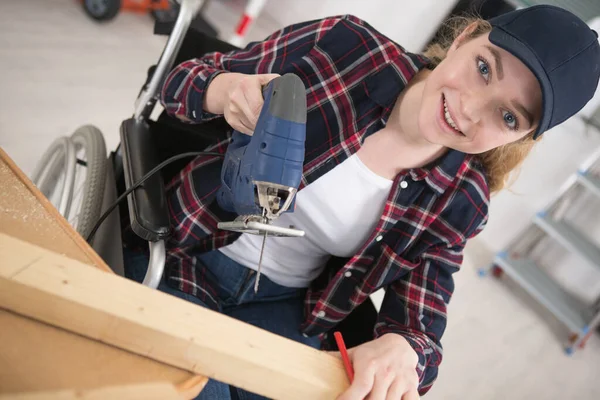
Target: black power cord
x=141 y=182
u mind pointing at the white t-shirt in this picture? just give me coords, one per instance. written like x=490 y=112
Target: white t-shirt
x=338 y=212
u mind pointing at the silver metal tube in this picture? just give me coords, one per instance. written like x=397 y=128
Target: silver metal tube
x=591 y=327
x=41 y=172
x=148 y=97
x=156 y=264
x=58 y=161
x=69 y=182
x=592 y=162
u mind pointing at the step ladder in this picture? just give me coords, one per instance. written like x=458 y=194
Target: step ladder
x=518 y=259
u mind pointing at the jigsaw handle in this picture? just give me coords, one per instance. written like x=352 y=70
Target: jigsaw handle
x=275 y=151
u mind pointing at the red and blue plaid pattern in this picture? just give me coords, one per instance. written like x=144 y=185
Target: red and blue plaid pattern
x=353 y=76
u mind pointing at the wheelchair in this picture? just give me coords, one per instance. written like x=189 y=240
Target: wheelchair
x=84 y=183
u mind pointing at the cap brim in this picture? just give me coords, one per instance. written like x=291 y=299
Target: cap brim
x=502 y=39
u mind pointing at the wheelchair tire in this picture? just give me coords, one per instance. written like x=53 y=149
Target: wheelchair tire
x=102 y=10
x=91 y=139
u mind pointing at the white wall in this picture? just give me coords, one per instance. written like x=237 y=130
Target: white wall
x=410 y=23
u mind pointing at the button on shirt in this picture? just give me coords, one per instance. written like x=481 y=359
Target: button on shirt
x=353 y=75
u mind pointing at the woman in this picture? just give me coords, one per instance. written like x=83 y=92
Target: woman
x=402 y=153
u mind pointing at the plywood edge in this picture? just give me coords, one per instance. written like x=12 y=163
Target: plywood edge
x=92 y=256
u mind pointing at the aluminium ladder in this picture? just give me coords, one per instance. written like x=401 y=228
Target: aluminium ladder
x=518 y=258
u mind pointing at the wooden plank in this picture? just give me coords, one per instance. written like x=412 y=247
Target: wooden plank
x=111 y=309
x=141 y=391
x=26 y=214
x=36 y=356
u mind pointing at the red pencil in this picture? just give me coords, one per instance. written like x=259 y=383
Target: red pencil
x=342 y=348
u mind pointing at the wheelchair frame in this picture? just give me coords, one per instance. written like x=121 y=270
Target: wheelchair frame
x=144 y=107
x=57 y=166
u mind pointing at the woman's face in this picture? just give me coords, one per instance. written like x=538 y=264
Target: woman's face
x=480 y=97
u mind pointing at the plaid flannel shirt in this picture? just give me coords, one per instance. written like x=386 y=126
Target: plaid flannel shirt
x=353 y=76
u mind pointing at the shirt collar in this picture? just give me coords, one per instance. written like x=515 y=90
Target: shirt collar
x=440 y=174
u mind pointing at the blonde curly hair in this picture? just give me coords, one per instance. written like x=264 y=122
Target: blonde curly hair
x=502 y=163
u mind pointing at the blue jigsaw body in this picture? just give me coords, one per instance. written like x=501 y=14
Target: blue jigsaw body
x=273 y=154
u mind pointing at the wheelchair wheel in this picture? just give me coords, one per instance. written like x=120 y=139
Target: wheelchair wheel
x=102 y=10
x=72 y=175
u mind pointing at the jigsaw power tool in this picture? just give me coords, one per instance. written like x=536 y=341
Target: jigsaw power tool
x=261 y=173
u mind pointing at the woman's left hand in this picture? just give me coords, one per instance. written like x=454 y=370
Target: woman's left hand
x=384 y=369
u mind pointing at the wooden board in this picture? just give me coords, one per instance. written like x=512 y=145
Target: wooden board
x=143 y=391
x=37 y=356
x=63 y=292
x=26 y=214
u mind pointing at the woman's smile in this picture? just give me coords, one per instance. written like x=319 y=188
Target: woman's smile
x=446 y=120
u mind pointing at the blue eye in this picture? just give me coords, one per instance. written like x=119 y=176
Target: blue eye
x=484 y=69
x=510 y=120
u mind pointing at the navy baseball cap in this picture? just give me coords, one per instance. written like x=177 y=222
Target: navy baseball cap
x=562 y=52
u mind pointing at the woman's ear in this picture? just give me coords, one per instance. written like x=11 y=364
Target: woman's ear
x=463 y=37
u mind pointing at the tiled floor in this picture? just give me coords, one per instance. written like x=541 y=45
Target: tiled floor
x=59 y=70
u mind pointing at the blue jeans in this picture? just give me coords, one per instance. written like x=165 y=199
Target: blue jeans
x=275 y=308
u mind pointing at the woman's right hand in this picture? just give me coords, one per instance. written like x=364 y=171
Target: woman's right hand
x=244 y=100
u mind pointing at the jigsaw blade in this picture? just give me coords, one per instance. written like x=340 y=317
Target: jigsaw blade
x=262 y=250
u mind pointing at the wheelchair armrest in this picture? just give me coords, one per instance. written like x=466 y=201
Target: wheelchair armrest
x=148 y=210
